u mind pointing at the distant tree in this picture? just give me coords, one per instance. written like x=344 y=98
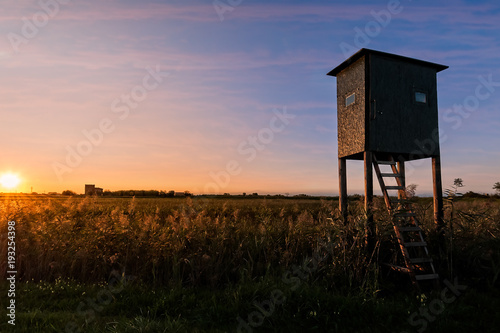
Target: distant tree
x=453 y=192
x=496 y=187
x=411 y=190
x=68 y=192
x=151 y=193
x=471 y=194
x=458 y=182
x=355 y=197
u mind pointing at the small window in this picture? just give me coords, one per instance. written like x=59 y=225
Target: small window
x=350 y=99
x=420 y=97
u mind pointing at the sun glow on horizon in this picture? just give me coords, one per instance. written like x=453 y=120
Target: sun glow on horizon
x=10 y=180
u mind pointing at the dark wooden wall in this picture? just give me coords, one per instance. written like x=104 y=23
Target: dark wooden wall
x=398 y=124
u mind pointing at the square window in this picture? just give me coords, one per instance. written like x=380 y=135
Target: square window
x=420 y=97
x=350 y=99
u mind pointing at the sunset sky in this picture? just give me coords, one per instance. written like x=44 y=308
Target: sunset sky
x=181 y=95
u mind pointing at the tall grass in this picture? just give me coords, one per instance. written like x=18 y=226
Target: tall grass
x=200 y=242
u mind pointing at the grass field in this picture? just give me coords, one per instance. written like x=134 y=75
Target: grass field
x=240 y=265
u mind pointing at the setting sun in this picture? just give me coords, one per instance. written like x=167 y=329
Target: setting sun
x=9 y=180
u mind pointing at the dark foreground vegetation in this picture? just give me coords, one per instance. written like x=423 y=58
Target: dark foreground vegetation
x=241 y=265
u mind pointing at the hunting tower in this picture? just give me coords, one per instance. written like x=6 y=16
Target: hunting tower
x=387 y=114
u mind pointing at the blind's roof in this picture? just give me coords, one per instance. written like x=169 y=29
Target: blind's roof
x=363 y=52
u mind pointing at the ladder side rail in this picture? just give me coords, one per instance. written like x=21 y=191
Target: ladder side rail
x=382 y=185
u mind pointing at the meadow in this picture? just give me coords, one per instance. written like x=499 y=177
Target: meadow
x=89 y=264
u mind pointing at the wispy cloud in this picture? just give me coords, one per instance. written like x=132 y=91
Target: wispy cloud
x=94 y=10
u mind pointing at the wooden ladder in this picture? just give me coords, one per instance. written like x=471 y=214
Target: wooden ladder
x=419 y=264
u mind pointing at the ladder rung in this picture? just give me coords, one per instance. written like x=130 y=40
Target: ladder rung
x=409 y=229
x=394 y=188
x=426 y=277
x=390 y=175
x=387 y=162
x=415 y=244
x=420 y=260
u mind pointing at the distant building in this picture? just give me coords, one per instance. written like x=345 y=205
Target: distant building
x=90 y=189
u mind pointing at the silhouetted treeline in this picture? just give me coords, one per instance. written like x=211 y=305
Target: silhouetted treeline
x=146 y=193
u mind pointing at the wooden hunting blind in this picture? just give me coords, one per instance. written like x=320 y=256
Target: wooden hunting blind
x=387 y=104
x=387 y=114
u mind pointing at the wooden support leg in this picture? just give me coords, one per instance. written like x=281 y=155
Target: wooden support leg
x=401 y=170
x=343 y=189
x=370 y=230
x=438 y=196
